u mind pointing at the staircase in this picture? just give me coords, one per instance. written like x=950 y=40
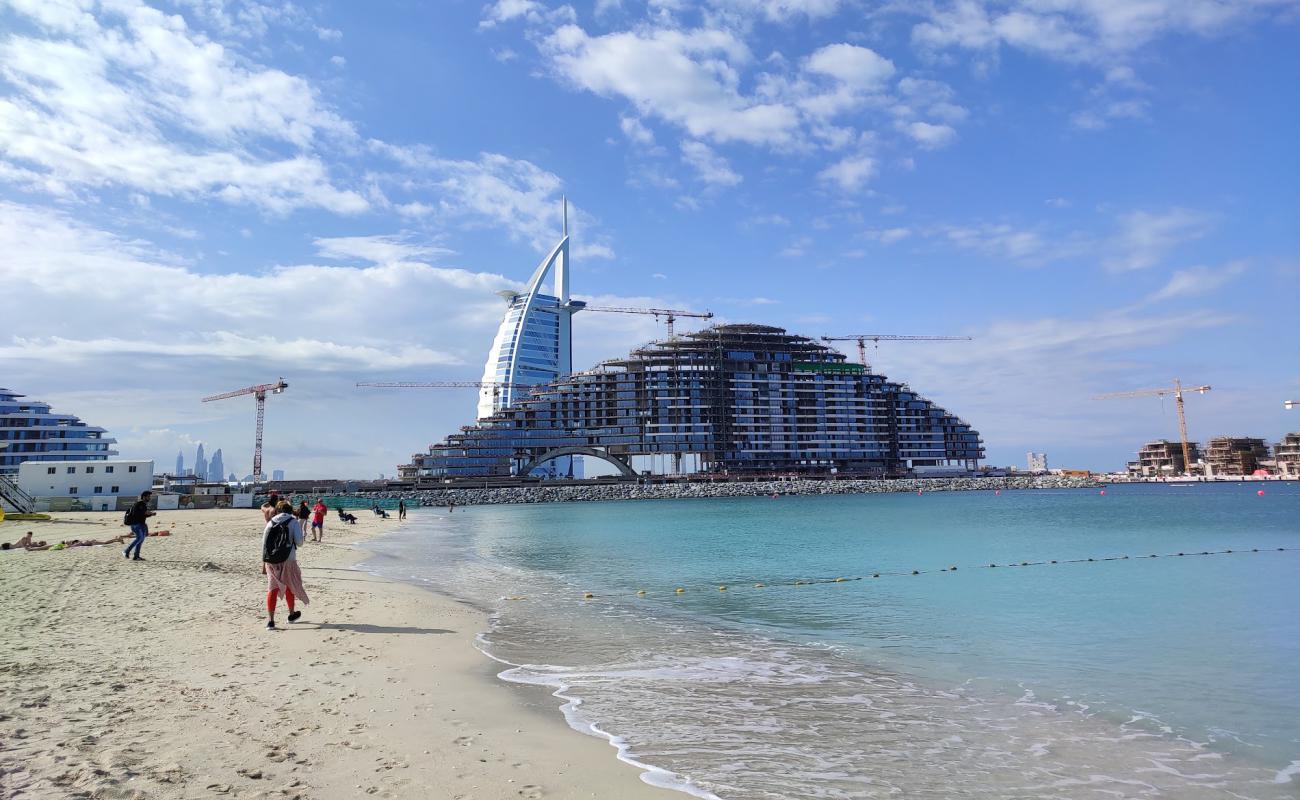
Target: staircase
x=11 y=495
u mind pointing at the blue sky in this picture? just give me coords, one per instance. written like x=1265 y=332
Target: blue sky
x=199 y=195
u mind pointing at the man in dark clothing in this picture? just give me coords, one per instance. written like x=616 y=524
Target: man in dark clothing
x=401 y=509
x=136 y=518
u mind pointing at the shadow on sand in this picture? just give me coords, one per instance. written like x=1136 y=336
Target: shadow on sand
x=364 y=628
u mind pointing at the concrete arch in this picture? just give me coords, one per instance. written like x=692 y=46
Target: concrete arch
x=619 y=463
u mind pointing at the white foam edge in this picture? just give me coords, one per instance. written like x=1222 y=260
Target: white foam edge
x=1285 y=774
x=655 y=776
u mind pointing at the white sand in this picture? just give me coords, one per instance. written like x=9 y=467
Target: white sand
x=159 y=679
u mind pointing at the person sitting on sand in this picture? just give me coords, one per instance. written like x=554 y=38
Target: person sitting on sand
x=280 y=541
x=24 y=543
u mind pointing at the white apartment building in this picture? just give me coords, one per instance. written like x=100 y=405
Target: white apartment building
x=93 y=484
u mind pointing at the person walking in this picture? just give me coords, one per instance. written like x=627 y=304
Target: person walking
x=136 y=519
x=401 y=510
x=303 y=514
x=318 y=513
x=280 y=541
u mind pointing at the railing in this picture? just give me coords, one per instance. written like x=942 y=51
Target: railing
x=22 y=502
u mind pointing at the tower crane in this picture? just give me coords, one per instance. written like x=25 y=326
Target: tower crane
x=1177 y=392
x=877 y=338
x=259 y=392
x=495 y=386
x=1290 y=404
x=670 y=315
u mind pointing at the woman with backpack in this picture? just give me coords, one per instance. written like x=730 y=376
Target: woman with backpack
x=280 y=541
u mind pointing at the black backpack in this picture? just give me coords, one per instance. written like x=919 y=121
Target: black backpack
x=278 y=544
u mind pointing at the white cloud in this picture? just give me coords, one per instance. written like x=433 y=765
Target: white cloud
x=781 y=10
x=508 y=193
x=930 y=136
x=711 y=167
x=856 y=67
x=1198 y=280
x=1145 y=237
x=851 y=173
x=136 y=99
x=636 y=131
x=890 y=235
x=683 y=77
x=338 y=61
x=376 y=249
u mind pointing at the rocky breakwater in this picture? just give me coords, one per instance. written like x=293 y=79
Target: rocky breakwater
x=683 y=491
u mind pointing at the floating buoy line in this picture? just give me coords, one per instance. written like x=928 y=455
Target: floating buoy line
x=729 y=586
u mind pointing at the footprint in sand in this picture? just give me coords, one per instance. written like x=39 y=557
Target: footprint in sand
x=463 y=741
x=532 y=792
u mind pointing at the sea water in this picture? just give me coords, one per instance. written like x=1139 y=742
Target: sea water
x=1123 y=676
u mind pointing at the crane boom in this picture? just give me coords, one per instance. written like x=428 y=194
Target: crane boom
x=877 y=338
x=1177 y=391
x=443 y=384
x=259 y=393
x=670 y=315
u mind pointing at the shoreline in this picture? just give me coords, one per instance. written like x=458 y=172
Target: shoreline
x=466 y=496
x=158 y=679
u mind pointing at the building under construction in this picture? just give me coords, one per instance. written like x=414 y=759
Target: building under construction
x=731 y=399
x=1235 y=455
x=1163 y=458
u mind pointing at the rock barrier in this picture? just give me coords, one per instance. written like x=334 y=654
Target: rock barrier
x=685 y=491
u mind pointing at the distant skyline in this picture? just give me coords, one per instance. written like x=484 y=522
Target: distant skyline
x=197 y=197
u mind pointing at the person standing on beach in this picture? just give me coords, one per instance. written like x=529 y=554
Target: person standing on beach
x=268 y=508
x=401 y=510
x=280 y=541
x=318 y=513
x=136 y=518
x=303 y=514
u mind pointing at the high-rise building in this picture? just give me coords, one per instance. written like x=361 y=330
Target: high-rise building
x=1287 y=455
x=1163 y=458
x=533 y=344
x=200 y=464
x=1037 y=462
x=33 y=433
x=180 y=463
x=216 y=468
x=277 y=474
x=728 y=399
x=232 y=478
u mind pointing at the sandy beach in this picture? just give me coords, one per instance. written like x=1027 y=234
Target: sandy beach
x=158 y=679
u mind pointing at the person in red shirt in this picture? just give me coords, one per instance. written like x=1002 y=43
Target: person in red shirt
x=318 y=512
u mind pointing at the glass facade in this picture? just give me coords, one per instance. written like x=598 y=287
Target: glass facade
x=732 y=398
x=29 y=431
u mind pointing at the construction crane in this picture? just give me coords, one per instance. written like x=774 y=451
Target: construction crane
x=877 y=338
x=259 y=392
x=670 y=315
x=496 y=386
x=1290 y=404
x=1177 y=392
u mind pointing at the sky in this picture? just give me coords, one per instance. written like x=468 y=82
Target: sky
x=201 y=195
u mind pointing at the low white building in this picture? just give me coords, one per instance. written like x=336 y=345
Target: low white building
x=94 y=485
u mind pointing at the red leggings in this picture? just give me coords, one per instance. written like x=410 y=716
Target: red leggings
x=271 y=597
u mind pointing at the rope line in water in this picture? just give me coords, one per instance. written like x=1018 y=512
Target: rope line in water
x=726 y=587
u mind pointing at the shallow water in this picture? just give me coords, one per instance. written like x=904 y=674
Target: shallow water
x=1141 y=677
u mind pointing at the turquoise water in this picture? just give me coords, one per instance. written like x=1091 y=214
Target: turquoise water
x=1141 y=677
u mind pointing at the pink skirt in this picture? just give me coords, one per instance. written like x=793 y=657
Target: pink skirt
x=286 y=575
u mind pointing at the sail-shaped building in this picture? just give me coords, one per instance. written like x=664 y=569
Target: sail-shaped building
x=534 y=344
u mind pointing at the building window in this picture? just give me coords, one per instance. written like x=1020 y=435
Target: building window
x=99 y=490
x=50 y=470
x=72 y=490
x=115 y=490
x=108 y=469
x=131 y=468
x=89 y=470
x=72 y=470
